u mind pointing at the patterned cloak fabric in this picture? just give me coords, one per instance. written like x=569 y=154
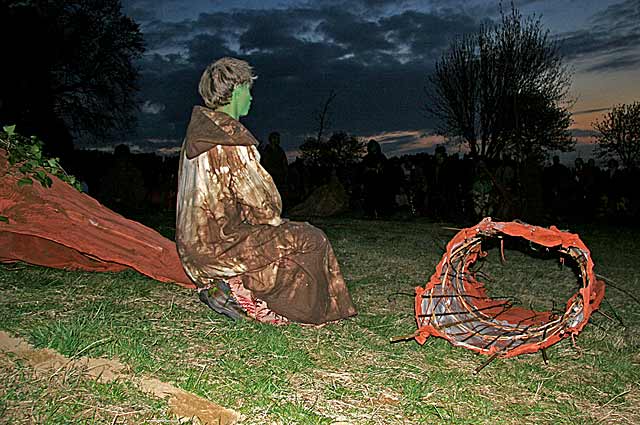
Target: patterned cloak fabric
x=229 y=224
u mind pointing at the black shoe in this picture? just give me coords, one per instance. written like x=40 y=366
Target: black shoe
x=220 y=300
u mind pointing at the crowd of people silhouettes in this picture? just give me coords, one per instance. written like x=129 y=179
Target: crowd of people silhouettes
x=438 y=186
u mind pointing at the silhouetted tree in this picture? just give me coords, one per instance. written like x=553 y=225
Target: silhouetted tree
x=68 y=68
x=339 y=151
x=503 y=90
x=619 y=134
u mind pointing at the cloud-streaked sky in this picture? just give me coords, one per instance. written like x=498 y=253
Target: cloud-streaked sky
x=375 y=54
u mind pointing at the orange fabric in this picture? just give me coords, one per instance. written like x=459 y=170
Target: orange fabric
x=63 y=228
x=592 y=291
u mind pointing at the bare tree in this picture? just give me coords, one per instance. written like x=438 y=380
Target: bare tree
x=339 y=151
x=323 y=115
x=502 y=90
x=619 y=134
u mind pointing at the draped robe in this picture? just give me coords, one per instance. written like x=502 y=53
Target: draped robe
x=229 y=224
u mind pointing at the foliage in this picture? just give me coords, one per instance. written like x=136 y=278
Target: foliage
x=26 y=154
x=619 y=134
x=70 y=69
x=503 y=90
x=341 y=150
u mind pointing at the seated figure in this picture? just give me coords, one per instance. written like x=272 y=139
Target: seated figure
x=230 y=237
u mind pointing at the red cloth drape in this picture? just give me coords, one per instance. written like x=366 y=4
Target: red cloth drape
x=63 y=228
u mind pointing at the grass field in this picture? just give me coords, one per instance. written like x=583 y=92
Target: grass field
x=342 y=373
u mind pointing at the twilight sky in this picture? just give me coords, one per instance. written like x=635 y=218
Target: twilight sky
x=375 y=54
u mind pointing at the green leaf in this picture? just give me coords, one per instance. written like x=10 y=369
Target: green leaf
x=9 y=129
x=26 y=153
x=4 y=219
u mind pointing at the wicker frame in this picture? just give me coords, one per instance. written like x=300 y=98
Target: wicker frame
x=454 y=304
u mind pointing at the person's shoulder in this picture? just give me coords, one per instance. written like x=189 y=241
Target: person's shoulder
x=198 y=110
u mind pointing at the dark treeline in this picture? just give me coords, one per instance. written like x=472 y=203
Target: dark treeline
x=127 y=182
x=456 y=188
x=439 y=186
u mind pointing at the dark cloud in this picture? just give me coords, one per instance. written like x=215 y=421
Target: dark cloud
x=613 y=34
x=356 y=35
x=377 y=67
x=626 y=13
x=427 y=34
x=590 y=111
x=631 y=61
x=583 y=133
x=139 y=14
x=160 y=35
x=203 y=47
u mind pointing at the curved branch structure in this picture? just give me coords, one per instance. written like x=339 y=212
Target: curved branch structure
x=454 y=305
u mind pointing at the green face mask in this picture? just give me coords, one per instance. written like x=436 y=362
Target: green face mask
x=242 y=98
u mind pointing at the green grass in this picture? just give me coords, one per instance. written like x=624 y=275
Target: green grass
x=29 y=397
x=345 y=372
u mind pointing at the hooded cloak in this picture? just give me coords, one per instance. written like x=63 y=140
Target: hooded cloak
x=229 y=224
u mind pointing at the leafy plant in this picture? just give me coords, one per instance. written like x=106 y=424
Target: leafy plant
x=26 y=154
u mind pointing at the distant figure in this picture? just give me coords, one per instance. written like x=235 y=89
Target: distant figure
x=483 y=194
x=532 y=175
x=437 y=184
x=262 y=146
x=84 y=186
x=297 y=179
x=274 y=160
x=578 y=188
x=417 y=188
x=557 y=181
x=615 y=189
x=591 y=183
x=506 y=189
x=373 y=181
x=123 y=183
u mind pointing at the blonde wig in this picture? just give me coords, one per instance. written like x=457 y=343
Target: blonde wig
x=220 y=79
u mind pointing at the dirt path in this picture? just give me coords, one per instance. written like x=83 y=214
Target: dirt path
x=181 y=403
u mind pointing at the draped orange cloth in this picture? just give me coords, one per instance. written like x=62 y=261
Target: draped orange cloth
x=63 y=228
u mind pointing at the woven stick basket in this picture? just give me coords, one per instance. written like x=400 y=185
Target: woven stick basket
x=454 y=304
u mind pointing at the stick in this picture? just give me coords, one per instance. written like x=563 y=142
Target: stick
x=486 y=362
x=613 y=285
x=404 y=337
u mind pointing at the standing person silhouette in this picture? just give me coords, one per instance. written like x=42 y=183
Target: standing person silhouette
x=376 y=199
x=274 y=160
x=229 y=234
